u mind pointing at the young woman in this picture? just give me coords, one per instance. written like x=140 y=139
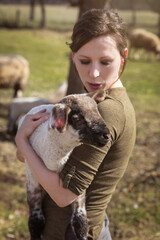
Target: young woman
x=99 y=52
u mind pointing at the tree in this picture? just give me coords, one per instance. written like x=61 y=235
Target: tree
x=155 y=6
x=133 y=7
x=32 y=6
x=74 y=82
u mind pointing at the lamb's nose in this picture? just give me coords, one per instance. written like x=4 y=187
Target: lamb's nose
x=107 y=136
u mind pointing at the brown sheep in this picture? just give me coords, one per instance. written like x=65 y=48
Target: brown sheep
x=14 y=72
x=143 y=39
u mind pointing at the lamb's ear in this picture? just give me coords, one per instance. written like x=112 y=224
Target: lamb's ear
x=59 y=118
x=98 y=96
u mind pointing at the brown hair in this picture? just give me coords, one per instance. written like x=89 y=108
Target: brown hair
x=99 y=22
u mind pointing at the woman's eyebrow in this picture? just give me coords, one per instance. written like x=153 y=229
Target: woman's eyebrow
x=106 y=58
x=83 y=56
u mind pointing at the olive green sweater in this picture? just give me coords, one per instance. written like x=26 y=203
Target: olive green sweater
x=97 y=170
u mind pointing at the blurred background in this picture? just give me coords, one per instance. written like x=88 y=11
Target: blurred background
x=35 y=68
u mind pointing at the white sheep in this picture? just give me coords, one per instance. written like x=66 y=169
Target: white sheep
x=20 y=106
x=73 y=121
x=143 y=39
x=14 y=72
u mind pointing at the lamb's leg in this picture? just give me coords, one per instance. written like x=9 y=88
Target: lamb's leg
x=79 y=218
x=34 y=197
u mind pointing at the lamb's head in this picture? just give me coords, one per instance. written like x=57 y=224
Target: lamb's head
x=81 y=113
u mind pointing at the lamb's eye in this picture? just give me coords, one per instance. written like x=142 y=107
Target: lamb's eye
x=75 y=117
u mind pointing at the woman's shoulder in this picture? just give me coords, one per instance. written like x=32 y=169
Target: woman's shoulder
x=117 y=111
x=113 y=112
x=111 y=106
x=115 y=102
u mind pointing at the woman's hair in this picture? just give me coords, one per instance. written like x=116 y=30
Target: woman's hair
x=99 y=22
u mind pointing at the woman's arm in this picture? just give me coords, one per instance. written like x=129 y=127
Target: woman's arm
x=49 y=180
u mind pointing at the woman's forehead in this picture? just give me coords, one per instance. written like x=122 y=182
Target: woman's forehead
x=103 y=45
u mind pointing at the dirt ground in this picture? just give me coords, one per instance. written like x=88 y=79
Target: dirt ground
x=139 y=187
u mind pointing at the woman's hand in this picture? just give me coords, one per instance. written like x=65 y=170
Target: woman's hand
x=29 y=124
x=20 y=156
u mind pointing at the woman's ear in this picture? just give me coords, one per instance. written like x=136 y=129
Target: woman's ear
x=126 y=55
x=126 y=52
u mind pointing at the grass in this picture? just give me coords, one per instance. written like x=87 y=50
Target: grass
x=48 y=56
x=46 y=52
x=141 y=78
x=133 y=215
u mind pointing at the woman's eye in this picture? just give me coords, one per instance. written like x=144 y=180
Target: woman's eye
x=84 y=62
x=105 y=62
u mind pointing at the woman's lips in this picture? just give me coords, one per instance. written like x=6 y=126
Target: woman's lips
x=95 y=85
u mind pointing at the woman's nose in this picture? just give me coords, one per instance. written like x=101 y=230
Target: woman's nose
x=94 y=72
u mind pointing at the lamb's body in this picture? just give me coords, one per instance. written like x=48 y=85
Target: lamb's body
x=51 y=145
x=73 y=121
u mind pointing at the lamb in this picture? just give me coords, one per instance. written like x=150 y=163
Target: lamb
x=142 y=39
x=14 y=72
x=73 y=121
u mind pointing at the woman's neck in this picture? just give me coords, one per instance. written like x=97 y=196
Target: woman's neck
x=116 y=84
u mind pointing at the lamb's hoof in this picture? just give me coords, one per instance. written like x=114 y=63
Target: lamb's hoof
x=36 y=225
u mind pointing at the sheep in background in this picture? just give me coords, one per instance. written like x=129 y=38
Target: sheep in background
x=14 y=72
x=20 y=106
x=143 y=39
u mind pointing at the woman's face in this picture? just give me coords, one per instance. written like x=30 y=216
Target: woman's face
x=98 y=62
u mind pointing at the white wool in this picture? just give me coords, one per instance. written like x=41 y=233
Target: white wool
x=53 y=147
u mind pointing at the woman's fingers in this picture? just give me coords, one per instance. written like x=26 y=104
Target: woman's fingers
x=19 y=156
x=31 y=122
x=37 y=120
x=39 y=115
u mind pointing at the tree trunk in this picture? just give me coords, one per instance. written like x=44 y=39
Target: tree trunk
x=43 y=15
x=133 y=21
x=32 y=4
x=74 y=82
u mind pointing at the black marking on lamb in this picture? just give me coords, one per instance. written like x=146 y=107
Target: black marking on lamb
x=36 y=221
x=36 y=225
x=79 y=224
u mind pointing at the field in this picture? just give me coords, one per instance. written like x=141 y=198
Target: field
x=134 y=210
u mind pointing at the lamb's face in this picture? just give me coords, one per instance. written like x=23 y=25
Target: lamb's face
x=85 y=118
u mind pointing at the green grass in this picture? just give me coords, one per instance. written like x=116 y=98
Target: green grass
x=48 y=56
x=46 y=52
x=142 y=78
